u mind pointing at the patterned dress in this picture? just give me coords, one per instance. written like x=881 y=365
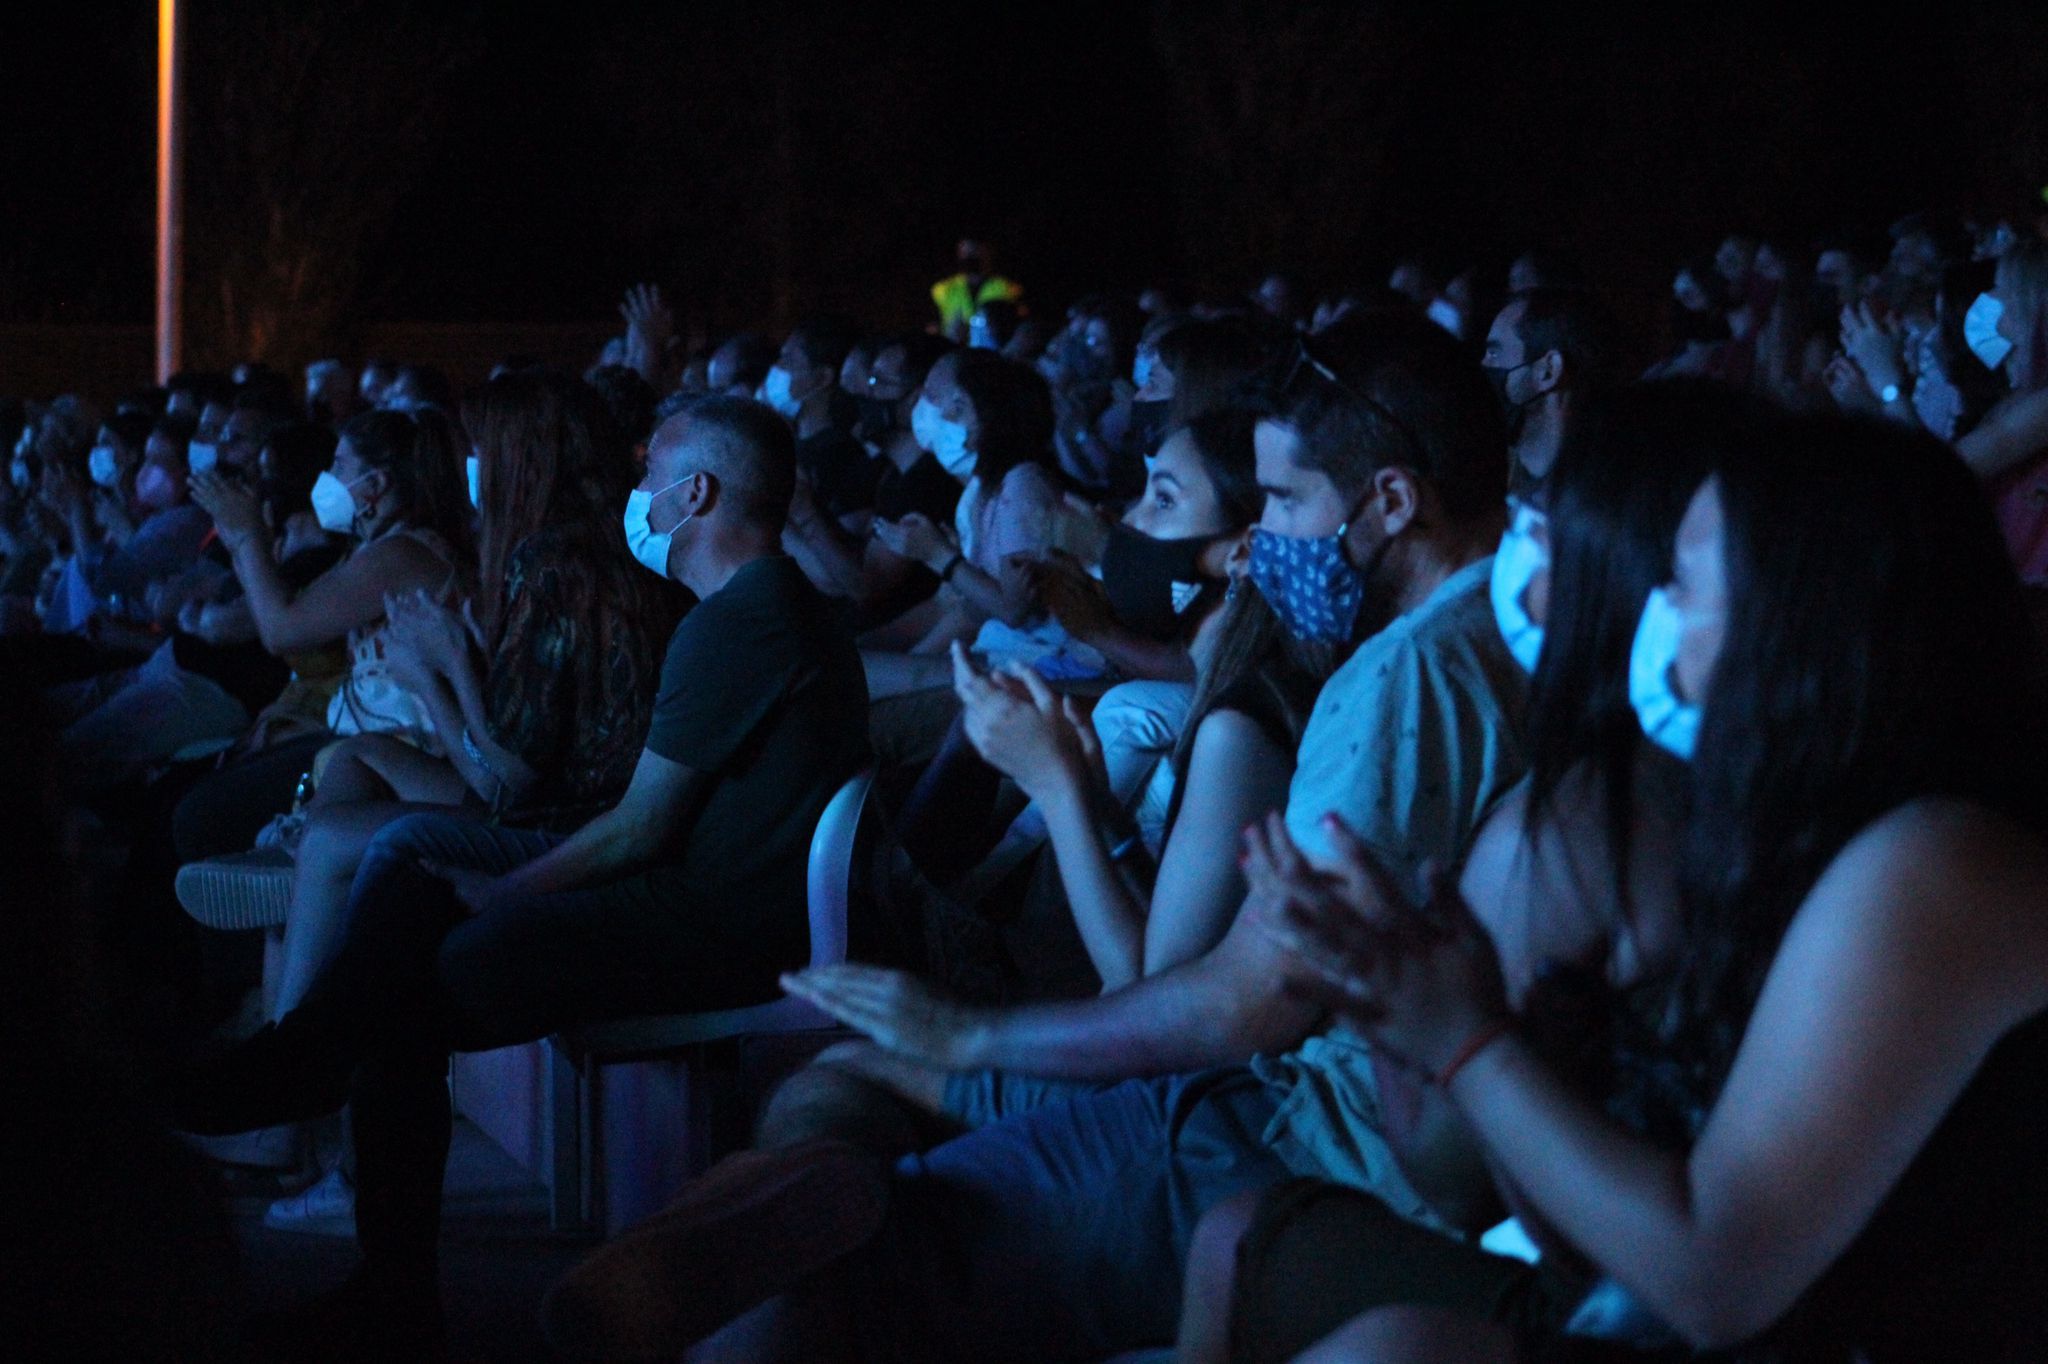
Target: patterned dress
x=572 y=676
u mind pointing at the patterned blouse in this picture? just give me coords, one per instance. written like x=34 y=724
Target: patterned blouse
x=571 y=683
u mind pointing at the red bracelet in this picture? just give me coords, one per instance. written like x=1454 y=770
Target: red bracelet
x=1475 y=1044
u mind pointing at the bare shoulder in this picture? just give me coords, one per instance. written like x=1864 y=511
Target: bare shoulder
x=1946 y=875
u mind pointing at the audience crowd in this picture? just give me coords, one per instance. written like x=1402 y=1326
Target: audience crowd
x=1411 y=829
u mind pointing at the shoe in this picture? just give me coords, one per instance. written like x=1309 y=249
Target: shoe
x=239 y=891
x=283 y=1147
x=325 y=1208
x=754 y=1226
x=282 y=1073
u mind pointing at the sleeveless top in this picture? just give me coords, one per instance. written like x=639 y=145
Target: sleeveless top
x=369 y=700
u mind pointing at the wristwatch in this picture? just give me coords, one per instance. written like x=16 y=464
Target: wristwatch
x=1889 y=394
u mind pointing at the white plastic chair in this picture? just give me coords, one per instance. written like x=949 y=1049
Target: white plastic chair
x=575 y=1056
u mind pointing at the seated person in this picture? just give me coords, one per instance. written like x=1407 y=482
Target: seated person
x=1384 y=468
x=1822 y=1140
x=1162 y=582
x=541 y=715
x=689 y=894
x=1571 y=875
x=395 y=489
x=840 y=552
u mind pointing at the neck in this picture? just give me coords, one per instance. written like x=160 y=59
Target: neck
x=1427 y=559
x=1542 y=433
x=722 y=551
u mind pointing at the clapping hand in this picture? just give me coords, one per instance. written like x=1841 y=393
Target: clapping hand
x=1876 y=346
x=916 y=537
x=1021 y=727
x=236 y=512
x=432 y=637
x=1075 y=599
x=1420 y=981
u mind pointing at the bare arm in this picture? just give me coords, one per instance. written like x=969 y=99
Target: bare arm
x=1829 y=1099
x=659 y=803
x=347 y=596
x=1220 y=1009
x=2011 y=433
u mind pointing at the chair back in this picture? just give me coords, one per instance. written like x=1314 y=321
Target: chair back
x=835 y=869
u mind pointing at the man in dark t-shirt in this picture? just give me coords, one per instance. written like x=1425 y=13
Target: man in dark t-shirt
x=687 y=895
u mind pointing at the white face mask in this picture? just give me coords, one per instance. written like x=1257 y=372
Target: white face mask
x=775 y=392
x=474 y=468
x=201 y=456
x=1141 y=369
x=1670 y=723
x=649 y=546
x=1445 y=314
x=18 y=472
x=1515 y=565
x=105 y=471
x=1980 y=330
x=949 y=448
x=924 y=423
x=334 y=507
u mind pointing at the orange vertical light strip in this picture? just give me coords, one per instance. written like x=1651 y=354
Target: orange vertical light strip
x=169 y=193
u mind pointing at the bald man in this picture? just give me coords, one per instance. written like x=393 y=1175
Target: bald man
x=688 y=895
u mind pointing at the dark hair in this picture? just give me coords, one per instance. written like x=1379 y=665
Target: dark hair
x=825 y=342
x=921 y=351
x=752 y=455
x=428 y=386
x=629 y=401
x=1013 y=411
x=1614 y=499
x=1575 y=324
x=176 y=427
x=131 y=429
x=1223 y=442
x=1251 y=653
x=542 y=461
x=416 y=450
x=753 y=353
x=1210 y=361
x=1877 y=651
x=2023 y=271
x=1383 y=389
x=298 y=453
x=1554 y=269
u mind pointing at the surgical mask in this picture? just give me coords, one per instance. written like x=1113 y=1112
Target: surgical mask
x=949 y=448
x=1151 y=582
x=201 y=456
x=775 y=392
x=1516 y=563
x=924 y=424
x=1141 y=371
x=333 y=505
x=1670 y=723
x=1310 y=583
x=156 y=487
x=474 y=468
x=649 y=546
x=1445 y=314
x=105 y=470
x=18 y=472
x=1980 y=330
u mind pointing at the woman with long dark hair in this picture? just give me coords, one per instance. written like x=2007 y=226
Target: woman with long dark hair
x=1841 y=1072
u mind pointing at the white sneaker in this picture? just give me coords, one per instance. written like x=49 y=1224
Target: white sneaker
x=324 y=1208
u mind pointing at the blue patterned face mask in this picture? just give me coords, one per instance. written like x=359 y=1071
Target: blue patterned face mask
x=1310 y=583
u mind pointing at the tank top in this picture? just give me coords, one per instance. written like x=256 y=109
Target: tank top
x=370 y=700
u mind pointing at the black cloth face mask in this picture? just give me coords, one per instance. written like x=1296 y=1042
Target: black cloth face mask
x=1150 y=582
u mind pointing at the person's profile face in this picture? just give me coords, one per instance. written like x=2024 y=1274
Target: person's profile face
x=1180 y=497
x=1300 y=502
x=1699 y=592
x=886 y=379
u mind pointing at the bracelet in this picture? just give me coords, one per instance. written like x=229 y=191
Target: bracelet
x=476 y=755
x=1475 y=1044
x=946 y=573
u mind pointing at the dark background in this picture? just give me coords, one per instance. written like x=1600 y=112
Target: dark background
x=365 y=161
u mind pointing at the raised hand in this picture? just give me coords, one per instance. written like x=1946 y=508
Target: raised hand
x=236 y=512
x=1021 y=728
